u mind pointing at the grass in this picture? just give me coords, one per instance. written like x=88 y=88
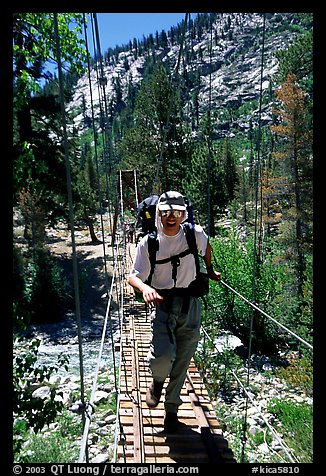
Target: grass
x=292 y=421
x=52 y=446
x=296 y=422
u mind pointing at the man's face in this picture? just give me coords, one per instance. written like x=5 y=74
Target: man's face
x=171 y=221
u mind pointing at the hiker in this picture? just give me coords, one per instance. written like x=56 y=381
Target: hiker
x=131 y=232
x=176 y=314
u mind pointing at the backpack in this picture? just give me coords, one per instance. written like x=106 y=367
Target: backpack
x=146 y=213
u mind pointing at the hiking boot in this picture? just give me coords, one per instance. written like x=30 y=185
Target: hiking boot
x=171 y=422
x=154 y=393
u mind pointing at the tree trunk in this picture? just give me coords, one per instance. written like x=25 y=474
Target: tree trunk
x=90 y=224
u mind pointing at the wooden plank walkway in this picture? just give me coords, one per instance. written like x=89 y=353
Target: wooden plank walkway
x=142 y=438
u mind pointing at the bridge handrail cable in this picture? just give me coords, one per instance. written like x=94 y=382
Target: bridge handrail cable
x=253 y=305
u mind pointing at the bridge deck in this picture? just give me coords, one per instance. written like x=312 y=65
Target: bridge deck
x=142 y=438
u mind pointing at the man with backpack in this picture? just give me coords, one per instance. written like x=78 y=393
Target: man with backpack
x=169 y=284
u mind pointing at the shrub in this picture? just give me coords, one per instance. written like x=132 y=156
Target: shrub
x=298 y=375
x=29 y=411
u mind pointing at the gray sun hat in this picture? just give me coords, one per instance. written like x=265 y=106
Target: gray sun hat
x=171 y=201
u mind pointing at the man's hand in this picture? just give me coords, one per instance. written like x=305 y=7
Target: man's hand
x=213 y=275
x=151 y=296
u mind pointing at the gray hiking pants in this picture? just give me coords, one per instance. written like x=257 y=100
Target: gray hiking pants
x=176 y=332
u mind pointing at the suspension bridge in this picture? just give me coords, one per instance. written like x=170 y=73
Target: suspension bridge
x=139 y=436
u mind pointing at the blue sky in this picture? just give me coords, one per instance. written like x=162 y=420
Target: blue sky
x=119 y=28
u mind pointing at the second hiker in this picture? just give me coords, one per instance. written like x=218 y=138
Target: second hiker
x=176 y=314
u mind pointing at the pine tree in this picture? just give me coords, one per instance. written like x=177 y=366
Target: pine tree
x=207 y=188
x=38 y=153
x=295 y=162
x=230 y=172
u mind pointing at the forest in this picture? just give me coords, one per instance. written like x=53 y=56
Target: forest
x=251 y=187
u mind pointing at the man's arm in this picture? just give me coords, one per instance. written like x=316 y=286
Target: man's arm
x=214 y=275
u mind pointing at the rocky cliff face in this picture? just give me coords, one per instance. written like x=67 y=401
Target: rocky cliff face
x=234 y=59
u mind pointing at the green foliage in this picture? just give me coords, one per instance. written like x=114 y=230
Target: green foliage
x=296 y=422
x=235 y=264
x=158 y=140
x=38 y=155
x=206 y=181
x=234 y=258
x=298 y=60
x=85 y=190
x=40 y=291
x=49 y=446
x=261 y=437
x=31 y=412
x=18 y=288
x=137 y=150
x=218 y=367
x=34 y=42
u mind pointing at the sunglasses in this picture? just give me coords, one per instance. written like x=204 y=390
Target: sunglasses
x=175 y=213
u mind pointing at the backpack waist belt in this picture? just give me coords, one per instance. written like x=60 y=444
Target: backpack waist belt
x=172 y=292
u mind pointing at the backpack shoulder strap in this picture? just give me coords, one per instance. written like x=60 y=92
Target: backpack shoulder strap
x=191 y=240
x=152 y=249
